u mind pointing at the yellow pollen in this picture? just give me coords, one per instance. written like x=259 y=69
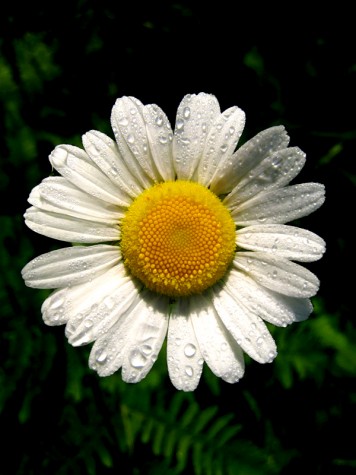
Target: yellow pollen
x=178 y=238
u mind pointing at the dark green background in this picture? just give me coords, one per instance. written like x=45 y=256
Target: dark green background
x=62 y=65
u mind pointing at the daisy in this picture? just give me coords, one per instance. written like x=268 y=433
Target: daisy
x=179 y=234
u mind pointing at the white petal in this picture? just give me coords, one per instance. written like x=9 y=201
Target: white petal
x=271 y=306
x=69 y=266
x=145 y=339
x=185 y=361
x=278 y=274
x=282 y=240
x=131 y=137
x=223 y=356
x=280 y=206
x=58 y=195
x=247 y=329
x=134 y=341
x=160 y=136
x=195 y=116
x=88 y=177
x=248 y=157
x=220 y=144
x=72 y=303
x=105 y=154
x=275 y=171
x=95 y=317
x=68 y=228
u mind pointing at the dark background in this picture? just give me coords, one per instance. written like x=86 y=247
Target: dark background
x=62 y=65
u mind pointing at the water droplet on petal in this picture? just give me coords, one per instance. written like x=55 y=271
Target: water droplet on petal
x=123 y=121
x=259 y=341
x=189 y=350
x=163 y=140
x=189 y=371
x=223 y=148
x=101 y=356
x=179 y=124
x=137 y=359
x=159 y=121
x=131 y=138
x=146 y=349
x=88 y=323
x=186 y=112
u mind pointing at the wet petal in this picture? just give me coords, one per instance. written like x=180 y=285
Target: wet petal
x=69 y=266
x=105 y=154
x=223 y=356
x=184 y=358
x=135 y=340
x=68 y=228
x=220 y=144
x=247 y=329
x=195 y=116
x=131 y=137
x=275 y=171
x=247 y=157
x=280 y=206
x=278 y=274
x=69 y=163
x=57 y=195
x=271 y=306
x=160 y=136
x=282 y=240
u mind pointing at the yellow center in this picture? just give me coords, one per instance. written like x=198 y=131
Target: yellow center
x=178 y=238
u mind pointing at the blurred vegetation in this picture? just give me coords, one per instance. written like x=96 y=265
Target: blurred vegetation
x=61 y=68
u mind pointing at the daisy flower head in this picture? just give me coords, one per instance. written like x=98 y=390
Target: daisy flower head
x=179 y=234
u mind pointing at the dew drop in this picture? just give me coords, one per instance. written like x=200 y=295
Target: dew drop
x=159 y=121
x=259 y=341
x=189 y=371
x=163 y=140
x=186 y=112
x=88 y=323
x=223 y=148
x=56 y=302
x=189 y=350
x=146 y=349
x=131 y=138
x=123 y=121
x=179 y=124
x=223 y=346
x=231 y=130
x=101 y=356
x=137 y=359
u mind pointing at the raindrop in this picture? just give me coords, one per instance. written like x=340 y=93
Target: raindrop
x=101 y=356
x=259 y=341
x=159 y=121
x=123 y=121
x=56 y=302
x=274 y=274
x=223 y=148
x=231 y=130
x=189 y=350
x=186 y=112
x=189 y=371
x=163 y=140
x=179 y=124
x=137 y=360
x=146 y=349
x=88 y=323
x=130 y=138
